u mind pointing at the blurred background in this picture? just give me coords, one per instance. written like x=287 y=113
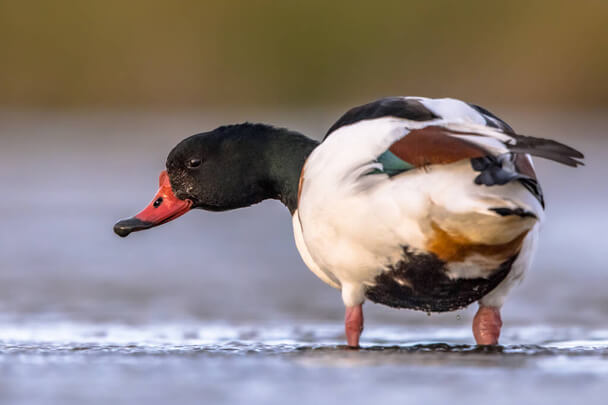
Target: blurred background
x=203 y=54
x=93 y=95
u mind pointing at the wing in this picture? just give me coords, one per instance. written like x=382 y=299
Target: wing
x=443 y=131
x=448 y=143
x=421 y=109
x=499 y=158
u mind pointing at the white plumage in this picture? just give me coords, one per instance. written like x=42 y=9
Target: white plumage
x=353 y=221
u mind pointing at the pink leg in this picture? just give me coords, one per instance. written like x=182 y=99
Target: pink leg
x=486 y=325
x=353 y=324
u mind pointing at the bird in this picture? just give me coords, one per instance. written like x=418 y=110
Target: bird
x=411 y=202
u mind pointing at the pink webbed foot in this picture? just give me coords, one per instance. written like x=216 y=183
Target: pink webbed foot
x=486 y=326
x=353 y=325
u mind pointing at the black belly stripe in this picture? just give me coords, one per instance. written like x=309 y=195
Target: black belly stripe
x=426 y=287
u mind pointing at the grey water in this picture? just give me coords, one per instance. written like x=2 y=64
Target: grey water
x=219 y=308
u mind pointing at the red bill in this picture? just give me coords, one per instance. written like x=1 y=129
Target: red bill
x=163 y=208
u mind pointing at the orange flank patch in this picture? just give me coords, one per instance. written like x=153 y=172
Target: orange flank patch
x=455 y=248
x=434 y=145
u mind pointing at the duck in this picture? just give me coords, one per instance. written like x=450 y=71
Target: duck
x=409 y=202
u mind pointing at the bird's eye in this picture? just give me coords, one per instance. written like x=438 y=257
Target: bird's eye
x=194 y=163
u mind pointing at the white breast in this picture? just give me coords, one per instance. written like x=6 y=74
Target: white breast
x=327 y=277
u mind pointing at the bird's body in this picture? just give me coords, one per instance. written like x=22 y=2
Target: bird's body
x=426 y=204
x=427 y=238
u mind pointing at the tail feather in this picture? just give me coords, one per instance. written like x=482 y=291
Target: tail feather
x=546 y=148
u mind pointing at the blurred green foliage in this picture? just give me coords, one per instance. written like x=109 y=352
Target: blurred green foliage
x=219 y=53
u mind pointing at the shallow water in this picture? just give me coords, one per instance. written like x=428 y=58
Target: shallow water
x=223 y=363
x=218 y=307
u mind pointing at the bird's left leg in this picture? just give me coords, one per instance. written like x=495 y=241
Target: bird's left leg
x=486 y=325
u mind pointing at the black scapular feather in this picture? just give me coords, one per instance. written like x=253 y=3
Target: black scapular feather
x=546 y=148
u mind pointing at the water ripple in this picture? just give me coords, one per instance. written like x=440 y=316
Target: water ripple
x=69 y=338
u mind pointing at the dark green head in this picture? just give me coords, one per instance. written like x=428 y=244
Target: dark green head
x=230 y=167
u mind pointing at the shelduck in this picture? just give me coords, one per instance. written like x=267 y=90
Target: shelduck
x=411 y=202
